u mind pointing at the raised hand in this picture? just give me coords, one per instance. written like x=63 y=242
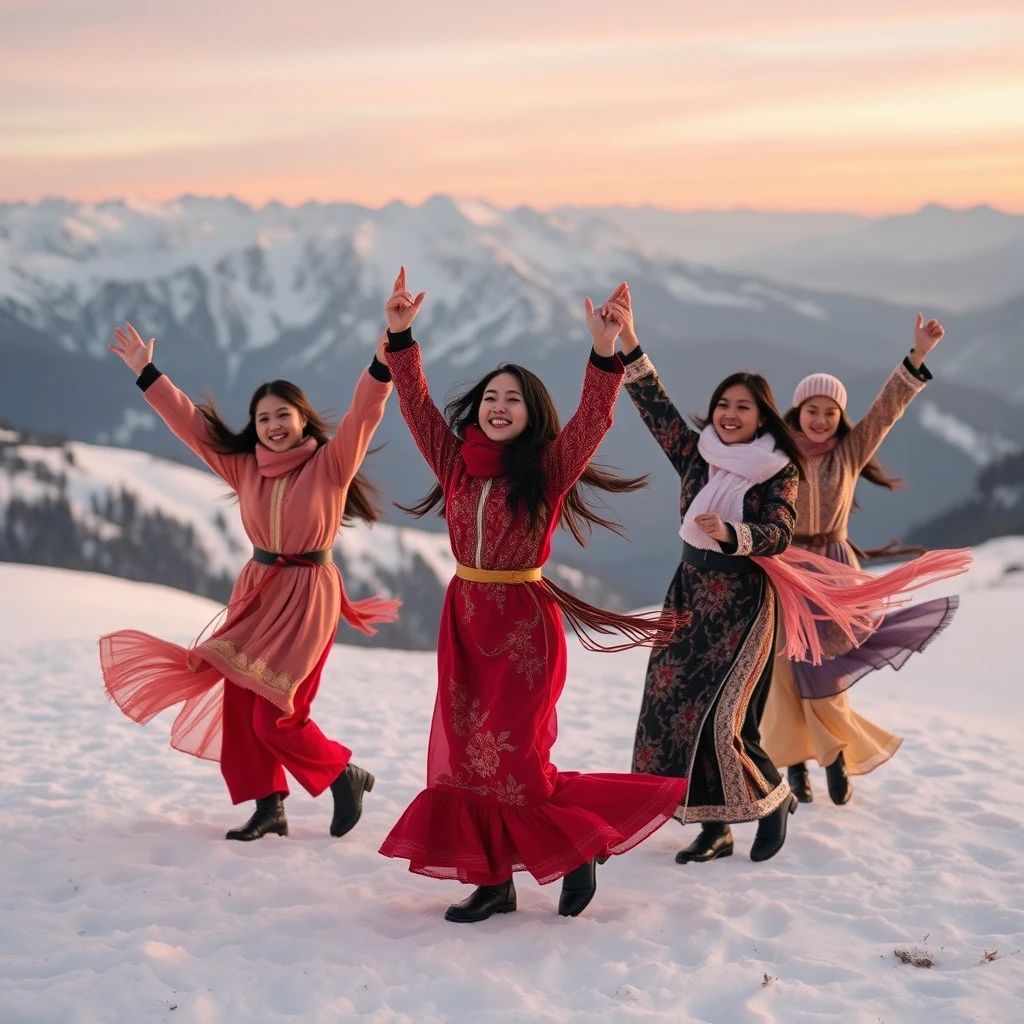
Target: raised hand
x=619 y=308
x=927 y=335
x=713 y=526
x=401 y=308
x=135 y=352
x=602 y=332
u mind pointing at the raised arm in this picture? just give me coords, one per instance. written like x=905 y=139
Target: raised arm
x=347 y=448
x=678 y=440
x=905 y=382
x=434 y=438
x=173 y=406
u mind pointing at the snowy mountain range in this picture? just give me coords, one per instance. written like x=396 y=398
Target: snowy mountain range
x=137 y=516
x=237 y=295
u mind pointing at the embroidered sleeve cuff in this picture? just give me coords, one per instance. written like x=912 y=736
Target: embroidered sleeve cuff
x=400 y=340
x=744 y=538
x=631 y=357
x=638 y=369
x=610 y=364
x=378 y=371
x=150 y=374
x=921 y=373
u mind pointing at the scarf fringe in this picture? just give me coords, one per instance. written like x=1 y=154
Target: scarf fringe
x=648 y=629
x=813 y=589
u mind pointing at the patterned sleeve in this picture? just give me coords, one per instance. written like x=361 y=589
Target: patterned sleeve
x=346 y=450
x=188 y=424
x=897 y=393
x=677 y=438
x=567 y=456
x=434 y=438
x=773 y=531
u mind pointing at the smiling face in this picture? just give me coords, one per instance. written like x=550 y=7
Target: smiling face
x=279 y=424
x=736 y=417
x=502 y=415
x=819 y=418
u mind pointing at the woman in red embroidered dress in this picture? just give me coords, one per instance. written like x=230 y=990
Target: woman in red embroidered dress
x=494 y=803
x=247 y=689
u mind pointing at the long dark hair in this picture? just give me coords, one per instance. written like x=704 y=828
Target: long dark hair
x=521 y=461
x=873 y=472
x=774 y=423
x=359 y=502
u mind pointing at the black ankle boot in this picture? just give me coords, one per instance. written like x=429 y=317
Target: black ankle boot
x=578 y=888
x=713 y=841
x=348 y=789
x=771 y=831
x=268 y=818
x=840 y=789
x=484 y=901
x=799 y=779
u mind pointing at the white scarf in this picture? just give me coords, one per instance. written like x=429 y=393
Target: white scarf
x=734 y=469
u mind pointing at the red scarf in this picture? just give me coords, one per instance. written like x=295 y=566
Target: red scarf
x=482 y=456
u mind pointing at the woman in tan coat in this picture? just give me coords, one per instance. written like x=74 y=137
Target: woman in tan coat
x=808 y=713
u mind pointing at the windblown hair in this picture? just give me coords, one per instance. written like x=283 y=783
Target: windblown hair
x=873 y=472
x=522 y=463
x=360 y=502
x=774 y=423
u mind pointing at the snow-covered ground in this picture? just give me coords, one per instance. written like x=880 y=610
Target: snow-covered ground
x=121 y=902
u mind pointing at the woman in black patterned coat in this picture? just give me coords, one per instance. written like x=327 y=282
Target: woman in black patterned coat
x=704 y=694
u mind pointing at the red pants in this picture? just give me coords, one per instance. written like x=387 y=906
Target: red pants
x=259 y=744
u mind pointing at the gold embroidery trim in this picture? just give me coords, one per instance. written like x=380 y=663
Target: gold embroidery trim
x=276 y=507
x=258 y=667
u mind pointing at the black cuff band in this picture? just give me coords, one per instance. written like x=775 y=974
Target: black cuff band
x=610 y=364
x=145 y=379
x=921 y=373
x=631 y=357
x=401 y=339
x=379 y=371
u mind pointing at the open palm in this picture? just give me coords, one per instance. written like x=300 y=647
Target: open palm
x=135 y=352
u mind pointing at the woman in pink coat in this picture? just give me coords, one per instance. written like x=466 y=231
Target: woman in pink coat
x=247 y=689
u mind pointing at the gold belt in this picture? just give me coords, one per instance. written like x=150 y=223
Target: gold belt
x=467 y=572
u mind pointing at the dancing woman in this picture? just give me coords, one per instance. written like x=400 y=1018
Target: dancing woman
x=507 y=477
x=808 y=713
x=295 y=486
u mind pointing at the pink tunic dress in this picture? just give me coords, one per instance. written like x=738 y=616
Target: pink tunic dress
x=281 y=617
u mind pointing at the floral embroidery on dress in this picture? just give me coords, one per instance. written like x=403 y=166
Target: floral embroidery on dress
x=483 y=752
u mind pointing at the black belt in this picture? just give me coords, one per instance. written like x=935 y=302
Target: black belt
x=324 y=557
x=705 y=559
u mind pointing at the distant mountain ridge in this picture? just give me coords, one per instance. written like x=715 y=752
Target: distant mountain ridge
x=236 y=296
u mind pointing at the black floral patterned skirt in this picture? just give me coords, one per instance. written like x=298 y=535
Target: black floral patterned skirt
x=705 y=693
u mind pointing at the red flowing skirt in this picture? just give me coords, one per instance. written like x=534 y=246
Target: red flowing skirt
x=494 y=804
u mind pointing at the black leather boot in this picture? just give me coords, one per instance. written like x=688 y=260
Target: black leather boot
x=771 y=831
x=799 y=779
x=713 y=841
x=578 y=888
x=348 y=789
x=268 y=818
x=840 y=789
x=484 y=901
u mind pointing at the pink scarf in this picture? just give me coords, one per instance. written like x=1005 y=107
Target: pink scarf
x=810 y=588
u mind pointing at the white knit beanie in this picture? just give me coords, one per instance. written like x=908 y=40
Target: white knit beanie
x=823 y=384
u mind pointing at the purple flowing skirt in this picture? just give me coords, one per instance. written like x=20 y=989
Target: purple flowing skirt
x=904 y=631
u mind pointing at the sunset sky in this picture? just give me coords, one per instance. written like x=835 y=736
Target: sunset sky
x=871 y=106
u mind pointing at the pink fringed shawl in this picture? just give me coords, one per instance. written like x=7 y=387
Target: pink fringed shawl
x=811 y=589
x=280 y=617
